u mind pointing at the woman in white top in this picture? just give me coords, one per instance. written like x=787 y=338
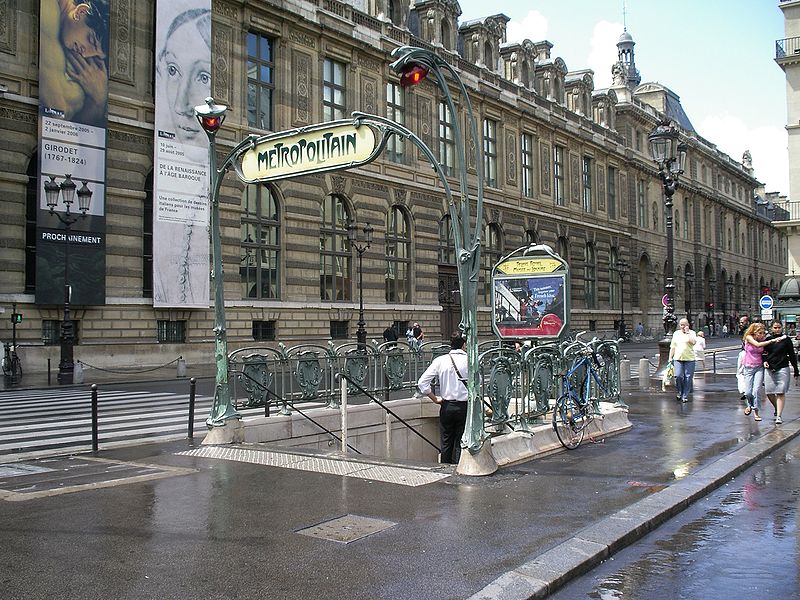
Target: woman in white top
x=681 y=355
x=700 y=350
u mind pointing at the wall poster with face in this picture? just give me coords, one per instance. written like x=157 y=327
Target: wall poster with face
x=181 y=178
x=73 y=109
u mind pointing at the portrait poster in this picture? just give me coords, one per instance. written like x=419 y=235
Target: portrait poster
x=73 y=110
x=530 y=296
x=181 y=172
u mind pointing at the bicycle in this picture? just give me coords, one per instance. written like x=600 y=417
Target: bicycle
x=576 y=407
x=12 y=366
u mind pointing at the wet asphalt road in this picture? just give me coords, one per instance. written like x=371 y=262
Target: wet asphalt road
x=740 y=542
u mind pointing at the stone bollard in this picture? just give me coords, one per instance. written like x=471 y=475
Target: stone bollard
x=77 y=372
x=181 y=367
x=625 y=369
x=644 y=373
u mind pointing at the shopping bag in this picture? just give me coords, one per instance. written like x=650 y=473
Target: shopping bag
x=668 y=379
x=740 y=383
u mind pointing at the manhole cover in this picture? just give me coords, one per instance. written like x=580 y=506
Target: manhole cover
x=346 y=529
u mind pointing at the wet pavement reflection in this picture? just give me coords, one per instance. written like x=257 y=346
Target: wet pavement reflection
x=739 y=542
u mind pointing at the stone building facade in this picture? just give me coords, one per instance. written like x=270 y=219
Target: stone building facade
x=566 y=165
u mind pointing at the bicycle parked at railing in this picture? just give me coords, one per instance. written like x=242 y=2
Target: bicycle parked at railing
x=576 y=407
x=12 y=367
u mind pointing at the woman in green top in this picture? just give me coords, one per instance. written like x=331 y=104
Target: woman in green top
x=681 y=355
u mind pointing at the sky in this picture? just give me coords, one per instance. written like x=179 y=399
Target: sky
x=718 y=56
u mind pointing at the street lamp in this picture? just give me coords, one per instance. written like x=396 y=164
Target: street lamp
x=352 y=237
x=669 y=154
x=211 y=116
x=729 y=304
x=52 y=191
x=712 y=288
x=621 y=268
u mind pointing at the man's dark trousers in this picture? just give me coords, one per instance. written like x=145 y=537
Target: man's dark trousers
x=452 y=419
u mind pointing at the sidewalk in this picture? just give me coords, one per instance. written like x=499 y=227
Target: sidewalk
x=186 y=526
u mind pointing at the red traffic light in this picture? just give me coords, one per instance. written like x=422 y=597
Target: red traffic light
x=211 y=123
x=413 y=75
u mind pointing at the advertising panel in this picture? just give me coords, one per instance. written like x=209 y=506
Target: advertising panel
x=530 y=294
x=181 y=178
x=73 y=109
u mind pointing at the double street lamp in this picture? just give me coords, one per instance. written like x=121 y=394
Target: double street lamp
x=621 y=267
x=67 y=191
x=360 y=246
x=669 y=154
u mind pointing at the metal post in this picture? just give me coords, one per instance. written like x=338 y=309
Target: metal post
x=95 y=433
x=48 y=371
x=352 y=236
x=343 y=411
x=192 y=389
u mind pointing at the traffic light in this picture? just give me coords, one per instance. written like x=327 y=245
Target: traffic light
x=412 y=75
x=16 y=318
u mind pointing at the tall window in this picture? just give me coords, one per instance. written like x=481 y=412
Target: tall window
x=527 y=165
x=562 y=248
x=558 y=174
x=260 y=84
x=260 y=244
x=590 y=276
x=334 y=251
x=333 y=90
x=396 y=111
x=446 y=144
x=641 y=204
x=147 y=238
x=31 y=210
x=611 y=177
x=490 y=254
x=686 y=209
x=614 y=279
x=587 y=184
x=447 y=251
x=398 y=256
x=490 y=152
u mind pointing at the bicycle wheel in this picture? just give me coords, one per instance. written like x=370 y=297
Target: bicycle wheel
x=16 y=367
x=568 y=421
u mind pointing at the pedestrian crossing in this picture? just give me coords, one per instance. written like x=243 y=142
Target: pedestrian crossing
x=43 y=421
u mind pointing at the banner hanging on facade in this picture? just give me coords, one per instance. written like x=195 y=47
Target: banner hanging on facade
x=181 y=178
x=73 y=109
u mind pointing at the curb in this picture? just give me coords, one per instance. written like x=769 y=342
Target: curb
x=547 y=572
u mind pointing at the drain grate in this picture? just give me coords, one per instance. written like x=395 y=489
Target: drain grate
x=346 y=529
x=318 y=464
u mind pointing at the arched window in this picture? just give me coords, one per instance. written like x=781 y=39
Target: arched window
x=490 y=255
x=398 y=256
x=562 y=248
x=446 y=35
x=447 y=250
x=488 y=56
x=259 y=268
x=334 y=251
x=531 y=237
x=590 y=276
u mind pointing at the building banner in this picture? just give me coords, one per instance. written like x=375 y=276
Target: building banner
x=181 y=181
x=73 y=109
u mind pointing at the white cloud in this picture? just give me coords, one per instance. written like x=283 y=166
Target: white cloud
x=532 y=27
x=603 y=51
x=767 y=145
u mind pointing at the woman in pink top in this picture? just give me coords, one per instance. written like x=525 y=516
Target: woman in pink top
x=754 y=366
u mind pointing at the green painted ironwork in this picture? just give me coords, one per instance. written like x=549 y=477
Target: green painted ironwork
x=308 y=374
x=256 y=380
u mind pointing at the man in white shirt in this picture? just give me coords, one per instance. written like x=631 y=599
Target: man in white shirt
x=451 y=372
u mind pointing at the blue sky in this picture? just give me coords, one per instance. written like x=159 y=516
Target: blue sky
x=717 y=55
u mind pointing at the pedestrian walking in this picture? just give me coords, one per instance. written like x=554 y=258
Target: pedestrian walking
x=700 y=351
x=777 y=358
x=724 y=330
x=451 y=372
x=390 y=335
x=753 y=366
x=681 y=357
x=418 y=336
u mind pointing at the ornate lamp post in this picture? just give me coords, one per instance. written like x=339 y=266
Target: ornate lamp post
x=352 y=237
x=621 y=268
x=414 y=65
x=712 y=288
x=211 y=116
x=729 y=304
x=66 y=190
x=669 y=154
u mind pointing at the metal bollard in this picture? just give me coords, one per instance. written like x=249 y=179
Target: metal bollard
x=192 y=388
x=181 y=367
x=624 y=369
x=644 y=373
x=95 y=433
x=48 y=371
x=77 y=372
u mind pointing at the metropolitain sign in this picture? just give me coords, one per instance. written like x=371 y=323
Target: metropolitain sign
x=323 y=147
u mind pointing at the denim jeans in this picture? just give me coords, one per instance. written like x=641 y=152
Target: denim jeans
x=684 y=373
x=753 y=384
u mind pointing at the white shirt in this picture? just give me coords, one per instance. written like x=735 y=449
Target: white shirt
x=450 y=386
